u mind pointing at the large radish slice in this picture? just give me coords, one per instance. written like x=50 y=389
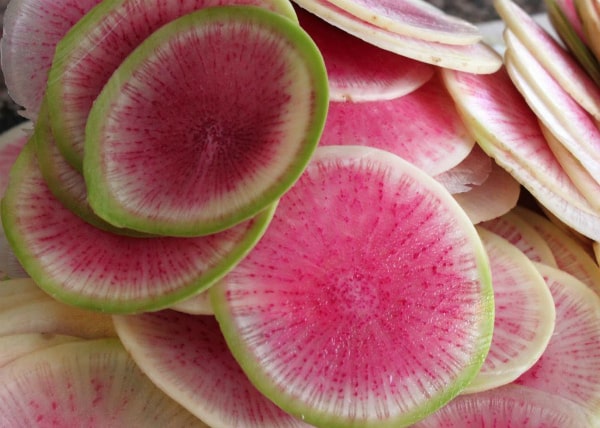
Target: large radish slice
x=31 y=30
x=422 y=127
x=230 y=136
x=507 y=129
x=87 y=383
x=524 y=315
x=509 y=406
x=368 y=300
x=413 y=18
x=86 y=266
x=98 y=43
x=360 y=71
x=570 y=365
x=476 y=58
x=187 y=357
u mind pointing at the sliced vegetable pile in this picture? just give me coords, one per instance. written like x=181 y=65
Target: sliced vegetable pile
x=253 y=213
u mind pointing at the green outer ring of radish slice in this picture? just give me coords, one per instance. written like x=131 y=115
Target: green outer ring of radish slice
x=67 y=53
x=101 y=195
x=263 y=381
x=46 y=278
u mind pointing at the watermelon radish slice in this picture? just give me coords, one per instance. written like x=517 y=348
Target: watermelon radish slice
x=422 y=127
x=368 y=300
x=241 y=141
x=516 y=230
x=508 y=131
x=195 y=305
x=31 y=30
x=475 y=58
x=509 y=406
x=12 y=142
x=525 y=315
x=472 y=171
x=98 y=43
x=552 y=56
x=88 y=267
x=496 y=196
x=570 y=365
x=91 y=383
x=359 y=71
x=413 y=18
x=18 y=345
x=187 y=357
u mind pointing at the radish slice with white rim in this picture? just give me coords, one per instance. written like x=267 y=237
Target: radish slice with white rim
x=243 y=132
x=17 y=345
x=186 y=356
x=475 y=58
x=472 y=171
x=359 y=71
x=341 y=314
x=433 y=139
x=524 y=315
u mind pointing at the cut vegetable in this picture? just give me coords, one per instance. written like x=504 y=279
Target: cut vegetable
x=524 y=315
x=195 y=305
x=360 y=71
x=368 y=300
x=187 y=357
x=91 y=383
x=472 y=171
x=12 y=142
x=86 y=266
x=18 y=345
x=98 y=43
x=235 y=138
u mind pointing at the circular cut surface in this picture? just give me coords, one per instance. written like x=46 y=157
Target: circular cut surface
x=210 y=120
x=368 y=300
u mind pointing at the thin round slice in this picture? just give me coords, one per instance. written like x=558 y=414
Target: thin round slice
x=18 y=345
x=88 y=267
x=469 y=173
x=195 y=305
x=187 y=357
x=90 y=383
x=368 y=300
x=231 y=134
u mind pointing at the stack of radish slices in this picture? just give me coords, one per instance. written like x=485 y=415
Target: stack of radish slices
x=248 y=213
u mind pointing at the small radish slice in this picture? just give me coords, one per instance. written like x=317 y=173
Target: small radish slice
x=18 y=345
x=422 y=127
x=195 y=305
x=555 y=60
x=367 y=302
x=242 y=133
x=31 y=30
x=472 y=171
x=187 y=357
x=496 y=196
x=87 y=383
x=509 y=132
x=564 y=118
x=509 y=406
x=476 y=58
x=524 y=315
x=359 y=71
x=516 y=230
x=413 y=18
x=98 y=43
x=88 y=267
x=570 y=365
x=569 y=254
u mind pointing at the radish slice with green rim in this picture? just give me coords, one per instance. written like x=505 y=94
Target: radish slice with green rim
x=472 y=171
x=341 y=314
x=496 y=196
x=187 y=357
x=523 y=235
x=509 y=406
x=90 y=383
x=555 y=60
x=31 y=30
x=524 y=315
x=98 y=43
x=508 y=131
x=570 y=365
x=475 y=58
x=88 y=267
x=433 y=139
x=413 y=18
x=359 y=71
x=195 y=305
x=234 y=139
